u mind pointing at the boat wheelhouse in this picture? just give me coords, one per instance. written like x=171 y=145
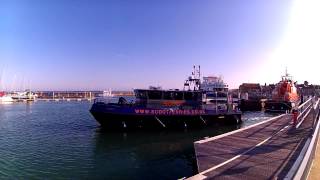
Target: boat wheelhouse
x=154 y=97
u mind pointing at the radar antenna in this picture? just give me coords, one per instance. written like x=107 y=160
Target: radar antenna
x=193 y=82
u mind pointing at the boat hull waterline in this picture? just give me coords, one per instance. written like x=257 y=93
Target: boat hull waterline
x=112 y=116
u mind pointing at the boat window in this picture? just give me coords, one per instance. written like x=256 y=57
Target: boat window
x=221 y=94
x=155 y=94
x=141 y=94
x=188 y=96
x=178 y=95
x=168 y=95
x=221 y=101
x=197 y=96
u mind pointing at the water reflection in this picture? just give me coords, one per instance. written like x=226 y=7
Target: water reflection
x=61 y=140
x=156 y=155
x=28 y=107
x=5 y=102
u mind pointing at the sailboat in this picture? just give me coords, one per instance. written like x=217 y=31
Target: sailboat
x=4 y=97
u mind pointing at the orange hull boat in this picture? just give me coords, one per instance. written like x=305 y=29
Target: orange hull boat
x=284 y=97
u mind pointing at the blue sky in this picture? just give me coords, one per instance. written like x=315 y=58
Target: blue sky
x=97 y=44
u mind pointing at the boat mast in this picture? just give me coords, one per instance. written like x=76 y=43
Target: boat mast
x=287 y=76
x=193 y=80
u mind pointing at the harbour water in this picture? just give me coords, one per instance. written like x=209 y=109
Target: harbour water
x=62 y=140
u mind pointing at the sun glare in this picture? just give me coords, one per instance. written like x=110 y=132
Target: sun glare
x=299 y=50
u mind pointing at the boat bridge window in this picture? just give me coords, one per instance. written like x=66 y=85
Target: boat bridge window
x=193 y=96
x=188 y=96
x=168 y=95
x=196 y=96
x=155 y=94
x=178 y=95
x=141 y=94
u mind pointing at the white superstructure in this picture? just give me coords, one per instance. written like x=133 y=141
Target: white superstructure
x=215 y=91
x=213 y=84
x=24 y=96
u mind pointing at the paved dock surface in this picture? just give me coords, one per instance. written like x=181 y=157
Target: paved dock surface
x=315 y=169
x=263 y=151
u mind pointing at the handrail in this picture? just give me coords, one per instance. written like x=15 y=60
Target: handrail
x=102 y=100
x=305 y=103
x=303 y=110
x=301 y=167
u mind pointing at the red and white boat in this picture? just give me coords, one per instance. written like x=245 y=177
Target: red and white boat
x=285 y=96
x=5 y=98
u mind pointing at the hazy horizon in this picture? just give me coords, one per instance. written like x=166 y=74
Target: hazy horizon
x=97 y=45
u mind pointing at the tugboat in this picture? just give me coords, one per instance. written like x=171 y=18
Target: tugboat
x=155 y=108
x=284 y=97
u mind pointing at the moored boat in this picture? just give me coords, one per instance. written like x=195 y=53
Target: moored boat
x=155 y=108
x=175 y=113
x=26 y=95
x=5 y=98
x=285 y=96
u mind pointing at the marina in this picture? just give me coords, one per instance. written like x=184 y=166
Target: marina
x=103 y=90
x=37 y=141
x=236 y=144
x=278 y=145
x=22 y=96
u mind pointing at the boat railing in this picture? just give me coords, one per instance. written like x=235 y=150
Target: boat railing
x=103 y=100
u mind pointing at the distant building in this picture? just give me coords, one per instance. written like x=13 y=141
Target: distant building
x=308 y=89
x=250 y=91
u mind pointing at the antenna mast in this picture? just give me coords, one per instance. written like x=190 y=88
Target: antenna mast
x=193 y=80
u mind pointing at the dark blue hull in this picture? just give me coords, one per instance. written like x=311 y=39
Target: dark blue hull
x=277 y=106
x=250 y=105
x=114 y=116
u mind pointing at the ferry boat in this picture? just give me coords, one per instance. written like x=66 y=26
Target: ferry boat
x=156 y=108
x=285 y=96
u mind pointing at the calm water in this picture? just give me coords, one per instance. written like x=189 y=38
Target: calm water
x=62 y=140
